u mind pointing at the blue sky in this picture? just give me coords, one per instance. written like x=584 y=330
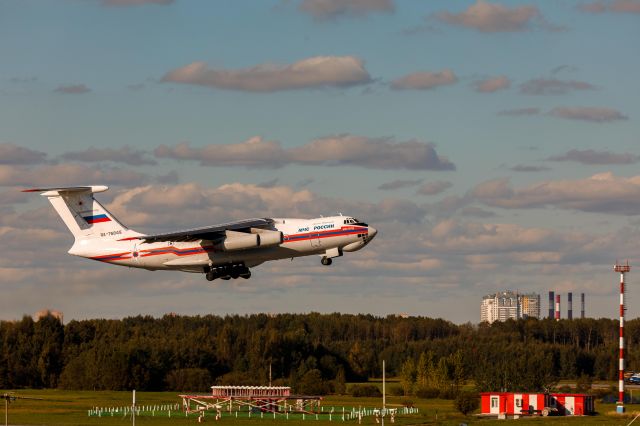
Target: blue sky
x=508 y=132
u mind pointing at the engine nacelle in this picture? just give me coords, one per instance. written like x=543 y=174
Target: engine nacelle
x=268 y=237
x=238 y=241
x=235 y=240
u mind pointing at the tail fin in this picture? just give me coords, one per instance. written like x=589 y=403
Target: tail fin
x=84 y=216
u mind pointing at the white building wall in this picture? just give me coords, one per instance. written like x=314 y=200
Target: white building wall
x=508 y=304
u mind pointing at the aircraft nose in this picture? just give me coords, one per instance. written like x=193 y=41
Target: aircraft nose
x=372 y=233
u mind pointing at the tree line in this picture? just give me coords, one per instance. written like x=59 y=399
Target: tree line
x=314 y=353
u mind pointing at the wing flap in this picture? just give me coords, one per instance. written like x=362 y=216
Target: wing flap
x=209 y=232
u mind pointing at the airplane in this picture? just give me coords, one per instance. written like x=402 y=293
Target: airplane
x=225 y=251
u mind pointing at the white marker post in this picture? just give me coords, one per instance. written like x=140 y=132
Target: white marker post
x=384 y=393
x=133 y=409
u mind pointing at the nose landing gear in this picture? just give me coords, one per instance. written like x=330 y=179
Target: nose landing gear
x=326 y=261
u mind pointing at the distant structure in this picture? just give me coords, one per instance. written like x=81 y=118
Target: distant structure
x=256 y=399
x=508 y=304
x=48 y=312
x=622 y=269
x=555 y=305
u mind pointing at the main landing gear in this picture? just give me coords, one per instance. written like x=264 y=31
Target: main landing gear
x=326 y=261
x=227 y=272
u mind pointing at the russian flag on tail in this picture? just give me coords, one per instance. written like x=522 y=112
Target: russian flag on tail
x=96 y=218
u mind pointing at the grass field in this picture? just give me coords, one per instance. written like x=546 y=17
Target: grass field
x=71 y=408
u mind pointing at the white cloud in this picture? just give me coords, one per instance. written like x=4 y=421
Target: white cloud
x=618 y=6
x=73 y=89
x=593 y=114
x=603 y=193
x=516 y=112
x=124 y=155
x=374 y=153
x=492 y=84
x=424 y=80
x=434 y=188
x=14 y=154
x=553 y=86
x=254 y=152
x=315 y=72
x=332 y=9
x=589 y=156
x=528 y=168
x=492 y=17
x=135 y=2
x=399 y=184
x=345 y=149
x=67 y=174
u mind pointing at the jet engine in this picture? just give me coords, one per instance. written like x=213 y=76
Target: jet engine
x=235 y=240
x=268 y=237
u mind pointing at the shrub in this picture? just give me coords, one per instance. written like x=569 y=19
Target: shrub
x=312 y=384
x=396 y=391
x=407 y=403
x=365 y=391
x=447 y=393
x=600 y=392
x=428 y=393
x=583 y=384
x=467 y=402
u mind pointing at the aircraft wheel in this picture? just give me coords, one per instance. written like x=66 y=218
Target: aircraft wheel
x=326 y=261
x=246 y=275
x=226 y=277
x=211 y=276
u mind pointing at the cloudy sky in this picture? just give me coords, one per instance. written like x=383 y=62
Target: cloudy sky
x=495 y=145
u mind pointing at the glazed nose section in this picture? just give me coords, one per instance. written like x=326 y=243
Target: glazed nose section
x=372 y=233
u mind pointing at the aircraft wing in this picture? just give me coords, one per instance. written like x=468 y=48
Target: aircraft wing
x=209 y=232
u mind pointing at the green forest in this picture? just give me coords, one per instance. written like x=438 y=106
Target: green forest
x=314 y=353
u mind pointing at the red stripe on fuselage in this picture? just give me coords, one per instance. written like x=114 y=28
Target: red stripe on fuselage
x=178 y=252
x=345 y=230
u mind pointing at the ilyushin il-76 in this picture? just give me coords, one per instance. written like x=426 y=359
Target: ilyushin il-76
x=225 y=251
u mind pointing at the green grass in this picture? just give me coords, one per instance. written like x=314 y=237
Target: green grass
x=70 y=408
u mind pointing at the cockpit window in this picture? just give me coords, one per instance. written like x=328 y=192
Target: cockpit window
x=359 y=222
x=354 y=221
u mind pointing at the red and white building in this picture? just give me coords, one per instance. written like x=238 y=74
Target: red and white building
x=559 y=404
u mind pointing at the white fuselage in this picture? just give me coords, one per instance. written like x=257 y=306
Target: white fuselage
x=326 y=236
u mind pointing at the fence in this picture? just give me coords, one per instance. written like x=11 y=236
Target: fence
x=326 y=414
